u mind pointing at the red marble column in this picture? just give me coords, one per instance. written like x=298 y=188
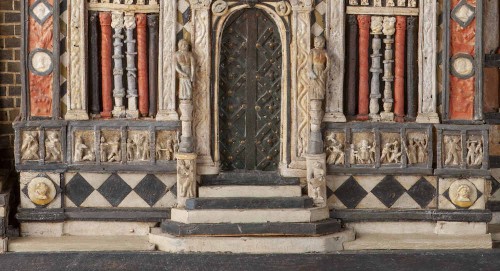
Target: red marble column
x=364 y=69
x=399 y=80
x=40 y=77
x=462 y=90
x=106 y=67
x=142 y=63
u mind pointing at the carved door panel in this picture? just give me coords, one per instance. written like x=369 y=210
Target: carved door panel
x=250 y=92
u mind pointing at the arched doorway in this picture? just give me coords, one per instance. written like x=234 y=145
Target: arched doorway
x=250 y=92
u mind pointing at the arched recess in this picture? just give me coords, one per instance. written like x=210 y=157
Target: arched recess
x=283 y=24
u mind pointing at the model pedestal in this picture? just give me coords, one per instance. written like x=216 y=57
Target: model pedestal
x=316 y=178
x=186 y=177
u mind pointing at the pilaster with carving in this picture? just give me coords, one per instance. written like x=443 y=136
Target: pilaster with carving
x=427 y=86
x=301 y=46
x=77 y=95
x=201 y=47
x=167 y=83
x=336 y=49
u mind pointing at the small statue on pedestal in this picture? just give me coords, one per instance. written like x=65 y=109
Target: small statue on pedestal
x=185 y=64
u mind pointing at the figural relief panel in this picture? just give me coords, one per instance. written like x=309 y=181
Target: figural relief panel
x=390 y=148
x=138 y=149
x=53 y=148
x=84 y=146
x=335 y=143
x=452 y=150
x=110 y=146
x=30 y=146
x=362 y=150
x=416 y=147
x=167 y=145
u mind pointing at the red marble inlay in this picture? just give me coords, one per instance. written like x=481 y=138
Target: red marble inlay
x=399 y=80
x=462 y=40
x=40 y=87
x=142 y=63
x=364 y=75
x=106 y=68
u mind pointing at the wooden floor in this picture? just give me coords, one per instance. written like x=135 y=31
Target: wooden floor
x=344 y=261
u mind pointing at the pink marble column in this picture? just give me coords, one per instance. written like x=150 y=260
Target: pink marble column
x=364 y=69
x=106 y=67
x=399 y=80
x=142 y=63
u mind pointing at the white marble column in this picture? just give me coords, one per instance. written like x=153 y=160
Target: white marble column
x=201 y=47
x=166 y=78
x=427 y=58
x=301 y=47
x=77 y=87
x=335 y=35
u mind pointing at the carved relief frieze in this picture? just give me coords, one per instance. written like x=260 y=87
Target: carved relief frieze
x=110 y=149
x=138 y=146
x=53 y=146
x=391 y=149
x=30 y=146
x=335 y=148
x=167 y=145
x=417 y=148
x=362 y=149
x=84 y=146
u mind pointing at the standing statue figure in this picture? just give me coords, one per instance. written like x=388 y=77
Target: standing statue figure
x=185 y=64
x=319 y=64
x=453 y=151
x=317 y=183
x=52 y=146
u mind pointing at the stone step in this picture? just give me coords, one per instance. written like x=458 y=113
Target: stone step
x=251 y=245
x=237 y=191
x=80 y=243
x=249 y=215
x=248 y=178
x=378 y=241
x=323 y=227
x=249 y=203
x=494 y=230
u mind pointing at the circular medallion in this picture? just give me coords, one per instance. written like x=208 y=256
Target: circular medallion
x=41 y=191
x=463 y=193
x=40 y=62
x=283 y=8
x=219 y=7
x=462 y=66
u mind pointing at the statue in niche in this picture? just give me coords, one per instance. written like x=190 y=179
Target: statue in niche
x=364 y=153
x=317 y=182
x=453 y=150
x=186 y=180
x=185 y=65
x=30 y=146
x=474 y=152
x=334 y=150
x=52 y=146
x=319 y=63
x=391 y=153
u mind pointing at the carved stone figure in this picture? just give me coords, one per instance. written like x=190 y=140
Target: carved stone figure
x=52 y=146
x=463 y=193
x=138 y=146
x=319 y=64
x=82 y=151
x=474 y=152
x=334 y=151
x=30 y=146
x=113 y=150
x=41 y=191
x=416 y=149
x=185 y=65
x=391 y=153
x=165 y=148
x=131 y=149
x=453 y=151
x=186 y=179
x=317 y=183
x=364 y=153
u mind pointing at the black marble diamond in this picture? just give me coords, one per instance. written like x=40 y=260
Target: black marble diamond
x=78 y=189
x=173 y=189
x=388 y=191
x=329 y=192
x=114 y=189
x=423 y=192
x=150 y=189
x=495 y=185
x=350 y=193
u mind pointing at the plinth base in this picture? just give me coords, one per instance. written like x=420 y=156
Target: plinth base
x=427 y=118
x=253 y=245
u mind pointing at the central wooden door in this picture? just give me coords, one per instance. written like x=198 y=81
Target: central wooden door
x=250 y=92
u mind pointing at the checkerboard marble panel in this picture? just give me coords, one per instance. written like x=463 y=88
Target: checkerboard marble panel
x=382 y=192
x=122 y=190
x=445 y=202
x=495 y=184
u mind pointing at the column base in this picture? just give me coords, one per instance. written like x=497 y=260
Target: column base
x=166 y=115
x=334 y=117
x=388 y=117
x=427 y=118
x=374 y=117
x=132 y=114
x=119 y=112
x=76 y=115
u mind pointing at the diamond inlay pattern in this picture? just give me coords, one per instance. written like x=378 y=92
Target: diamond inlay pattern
x=463 y=13
x=41 y=11
x=114 y=189
x=150 y=189
x=382 y=192
x=78 y=189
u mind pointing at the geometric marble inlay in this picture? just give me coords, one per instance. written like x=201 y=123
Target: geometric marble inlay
x=78 y=189
x=350 y=193
x=388 y=191
x=150 y=189
x=41 y=11
x=114 y=189
x=423 y=192
x=463 y=13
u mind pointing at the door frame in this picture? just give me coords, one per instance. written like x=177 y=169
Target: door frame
x=283 y=26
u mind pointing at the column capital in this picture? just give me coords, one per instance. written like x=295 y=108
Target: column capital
x=200 y=4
